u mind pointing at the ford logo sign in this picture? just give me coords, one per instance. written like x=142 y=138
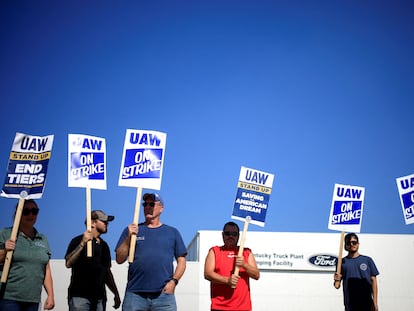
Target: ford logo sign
x=323 y=260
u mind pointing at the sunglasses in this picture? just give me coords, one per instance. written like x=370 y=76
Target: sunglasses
x=27 y=211
x=230 y=233
x=352 y=243
x=152 y=204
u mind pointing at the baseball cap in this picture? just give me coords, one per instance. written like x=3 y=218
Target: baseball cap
x=98 y=214
x=154 y=196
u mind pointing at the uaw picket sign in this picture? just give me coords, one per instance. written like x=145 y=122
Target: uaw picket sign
x=405 y=186
x=142 y=159
x=346 y=208
x=253 y=192
x=86 y=161
x=27 y=167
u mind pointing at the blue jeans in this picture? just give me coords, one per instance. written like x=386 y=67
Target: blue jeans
x=12 y=305
x=83 y=304
x=136 y=302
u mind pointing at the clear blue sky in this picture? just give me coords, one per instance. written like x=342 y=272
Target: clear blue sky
x=314 y=92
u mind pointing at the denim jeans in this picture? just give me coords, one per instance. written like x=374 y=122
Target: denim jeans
x=83 y=304
x=136 y=302
x=12 y=305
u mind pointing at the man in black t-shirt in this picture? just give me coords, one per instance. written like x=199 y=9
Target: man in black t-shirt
x=90 y=274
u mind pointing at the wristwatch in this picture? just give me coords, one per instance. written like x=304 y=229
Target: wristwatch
x=175 y=281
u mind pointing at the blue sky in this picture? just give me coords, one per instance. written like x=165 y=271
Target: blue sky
x=314 y=92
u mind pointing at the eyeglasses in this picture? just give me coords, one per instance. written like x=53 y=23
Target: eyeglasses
x=152 y=204
x=352 y=243
x=230 y=233
x=27 y=211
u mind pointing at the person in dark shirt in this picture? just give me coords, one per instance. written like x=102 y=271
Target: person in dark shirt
x=90 y=274
x=359 y=277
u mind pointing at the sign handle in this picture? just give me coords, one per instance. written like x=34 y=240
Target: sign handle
x=136 y=216
x=88 y=220
x=339 y=265
x=241 y=247
x=16 y=224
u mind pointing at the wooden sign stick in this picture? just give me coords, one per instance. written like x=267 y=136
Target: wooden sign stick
x=241 y=247
x=135 y=221
x=13 y=236
x=88 y=220
x=339 y=265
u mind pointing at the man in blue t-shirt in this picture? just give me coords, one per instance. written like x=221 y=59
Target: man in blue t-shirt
x=151 y=276
x=359 y=276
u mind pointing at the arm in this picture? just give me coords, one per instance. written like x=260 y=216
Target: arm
x=110 y=282
x=374 y=285
x=178 y=273
x=250 y=267
x=48 y=285
x=73 y=256
x=122 y=251
x=211 y=275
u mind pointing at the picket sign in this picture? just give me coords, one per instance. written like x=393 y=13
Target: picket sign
x=23 y=145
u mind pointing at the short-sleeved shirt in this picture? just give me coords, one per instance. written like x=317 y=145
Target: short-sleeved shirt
x=89 y=273
x=224 y=297
x=27 y=270
x=155 y=251
x=357 y=285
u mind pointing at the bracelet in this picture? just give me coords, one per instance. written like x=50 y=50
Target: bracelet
x=175 y=281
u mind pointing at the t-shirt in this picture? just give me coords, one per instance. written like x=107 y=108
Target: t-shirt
x=27 y=270
x=223 y=297
x=89 y=273
x=155 y=251
x=357 y=286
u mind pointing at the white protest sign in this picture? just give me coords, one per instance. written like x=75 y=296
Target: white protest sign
x=27 y=167
x=405 y=186
x=253 y=192
x=142 y=159
x=86 y=161
x=346 y=208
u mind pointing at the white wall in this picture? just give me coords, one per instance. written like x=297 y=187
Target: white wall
x=290 y=290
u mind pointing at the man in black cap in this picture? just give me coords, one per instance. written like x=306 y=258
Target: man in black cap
x=90 y=274
x=151 y=276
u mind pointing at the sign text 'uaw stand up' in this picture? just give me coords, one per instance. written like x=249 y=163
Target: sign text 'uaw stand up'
x=405 y=186
x=346 y=214
x=25 y=179
x=87 y=169
x=141 y=167
x=253 y=192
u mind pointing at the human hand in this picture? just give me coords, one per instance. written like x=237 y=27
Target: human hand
x=49 y=303
x=132 y=229
x=233 y=280
x=337 y=276
x=240 y=261
x=87 y=236
x=10 y=245
x=117 y=302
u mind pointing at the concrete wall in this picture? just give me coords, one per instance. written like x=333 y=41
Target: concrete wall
x=288 y=289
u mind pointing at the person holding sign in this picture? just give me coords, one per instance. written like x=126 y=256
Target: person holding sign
x=90 y=274
x=359 y=276
x=30 y=268
x=230 y=291
x=151 y=275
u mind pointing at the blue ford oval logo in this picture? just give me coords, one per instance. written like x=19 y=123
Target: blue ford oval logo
x=323 y=260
